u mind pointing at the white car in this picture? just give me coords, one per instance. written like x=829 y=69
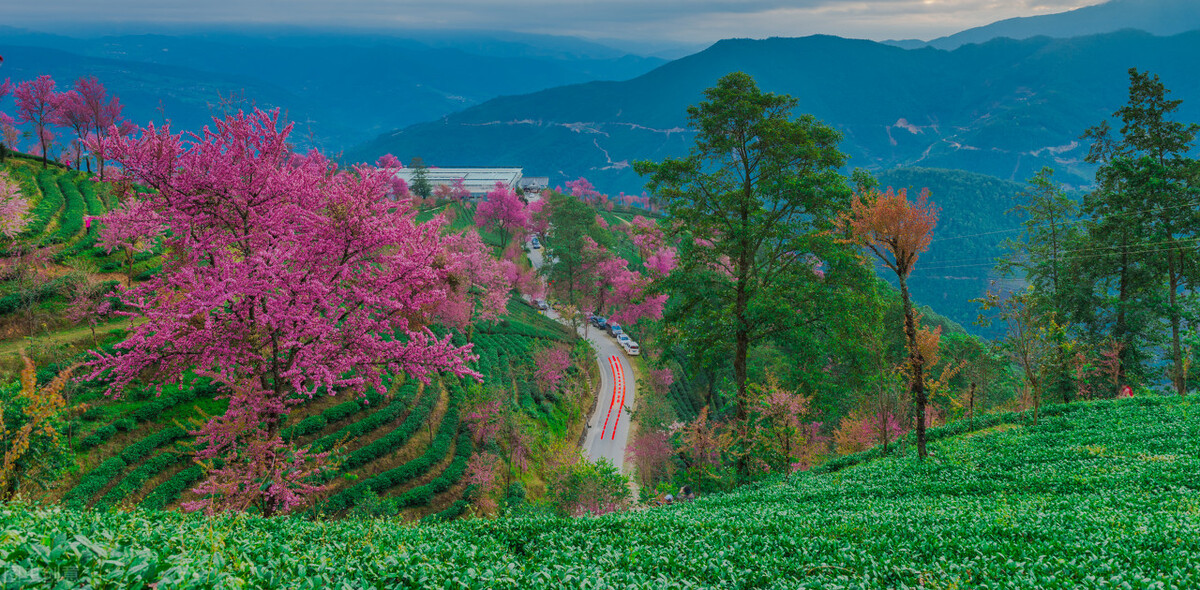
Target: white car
x=631 y=347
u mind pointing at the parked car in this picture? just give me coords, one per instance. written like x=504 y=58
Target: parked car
x=535 y=244
x=623 y=339
x=596 y=320
x=614 y=329
x=541 y=304
x=602 y=324
x=631 y=347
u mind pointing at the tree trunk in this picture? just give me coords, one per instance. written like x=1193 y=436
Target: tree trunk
x=1122 y=296
x=917 y=362
x=1173 y=272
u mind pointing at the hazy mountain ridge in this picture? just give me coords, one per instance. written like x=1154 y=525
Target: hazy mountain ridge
x=1158 y=17
x=345 y=88
x=1004 y=108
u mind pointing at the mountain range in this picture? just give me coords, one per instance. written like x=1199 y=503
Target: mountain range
x=343 y=88
x=1005 y=108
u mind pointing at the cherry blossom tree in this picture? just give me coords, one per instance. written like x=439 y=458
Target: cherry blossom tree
x=481 y=473
x=14 y=207
x=551 y=364
x=583 y=190
x=37 y=103
x=503 y=212
x=650 y=451
x=72 y=113
x=284 y=277
x=103 y=111
x=7 y=140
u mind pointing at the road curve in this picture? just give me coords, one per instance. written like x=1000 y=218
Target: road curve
x=618 y=390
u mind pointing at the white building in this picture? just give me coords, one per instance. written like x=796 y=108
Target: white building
x=477 y=180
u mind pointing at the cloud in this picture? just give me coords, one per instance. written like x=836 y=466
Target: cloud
x=677 y=20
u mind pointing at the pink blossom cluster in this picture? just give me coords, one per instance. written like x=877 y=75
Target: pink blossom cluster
x=551 y=364
x=284 y=275
x=14 y=207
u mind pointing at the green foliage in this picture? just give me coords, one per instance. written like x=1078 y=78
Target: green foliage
x=1086 y=499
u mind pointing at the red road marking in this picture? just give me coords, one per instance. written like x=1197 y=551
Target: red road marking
x=612 y=366
x=621 y=405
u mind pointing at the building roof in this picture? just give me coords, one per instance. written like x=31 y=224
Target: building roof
x=477 y=180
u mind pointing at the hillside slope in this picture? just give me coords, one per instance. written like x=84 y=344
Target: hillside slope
x=1097 y=495
x=1005 y=108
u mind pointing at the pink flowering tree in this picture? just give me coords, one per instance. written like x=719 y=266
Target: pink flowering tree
x=14 y=207
x=101 y=111
x=7 y=140
x=133 y=227
x=284 y=277
x=859 y=431
x=551 y=365
x=502 y=212
x=583 y=190
x=37 y=103
x=780 y=435
x=481 y=473
x=651 y=451
x=459 y=191
x=70 y=112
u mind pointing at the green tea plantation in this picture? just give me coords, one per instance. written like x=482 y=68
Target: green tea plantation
x=1096 y=495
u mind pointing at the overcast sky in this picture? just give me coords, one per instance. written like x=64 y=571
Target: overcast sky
x=689 y=21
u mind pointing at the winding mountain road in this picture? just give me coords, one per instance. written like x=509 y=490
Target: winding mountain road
x=608 y=428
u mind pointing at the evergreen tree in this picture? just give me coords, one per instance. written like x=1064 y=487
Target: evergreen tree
x=1145 y=212
x=753 y=201
x=1039 y=255
x=420 y=183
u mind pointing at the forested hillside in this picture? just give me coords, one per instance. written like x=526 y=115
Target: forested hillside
x=1003 y=108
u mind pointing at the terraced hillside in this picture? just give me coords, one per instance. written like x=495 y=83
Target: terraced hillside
x=67 y=259
x=401 y=453
x=1096 y=495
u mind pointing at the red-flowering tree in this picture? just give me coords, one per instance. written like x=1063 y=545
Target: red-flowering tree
x=285 y=277
x=897 y=232
x=503 y=212
x=37 y=103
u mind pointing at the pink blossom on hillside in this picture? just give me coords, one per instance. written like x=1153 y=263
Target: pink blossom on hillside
x=551 y=364
x=484 y=422
x=502 y=212
x=662 y=262
x=583 y=189
x=37 y=103
x=601 y=222
x=134 y=225
x=481 y=473
x=14 y=207
x=283 y=277
x=661 y=380
x=388 y=162
x=650 y=451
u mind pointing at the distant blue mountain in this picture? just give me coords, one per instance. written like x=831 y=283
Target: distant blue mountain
x=343 y=87
x=1158 y=17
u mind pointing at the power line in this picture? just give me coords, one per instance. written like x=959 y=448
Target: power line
x=1068 y=222
x=1096 y=256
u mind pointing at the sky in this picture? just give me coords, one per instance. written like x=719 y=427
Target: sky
x=682 y=21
